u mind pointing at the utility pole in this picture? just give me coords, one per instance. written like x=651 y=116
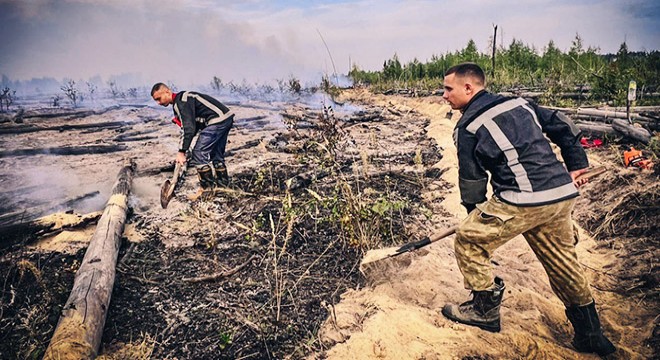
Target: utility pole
x=492 y=74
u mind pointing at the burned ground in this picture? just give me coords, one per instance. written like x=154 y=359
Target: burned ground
x=251 y=272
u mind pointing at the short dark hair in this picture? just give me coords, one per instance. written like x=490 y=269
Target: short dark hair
x=157 y=87
x=468 y=69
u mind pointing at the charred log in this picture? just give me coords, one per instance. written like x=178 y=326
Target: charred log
x=80 y=328
x=637 y=133
x=247 y=145
x=66 y=150
x=33 y=128
x=31 y=213
x=70 y=114
x=136 y=135
x=20 y=234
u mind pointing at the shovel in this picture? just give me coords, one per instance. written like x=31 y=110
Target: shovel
x=380 y=254
x=167 y=189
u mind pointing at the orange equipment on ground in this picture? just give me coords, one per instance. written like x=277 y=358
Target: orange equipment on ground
x=634 y=157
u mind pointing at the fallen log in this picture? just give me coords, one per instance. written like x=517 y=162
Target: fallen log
x=80 y=328
x=33 y=128
x=247 y=145
x=602 y=113
x=637 y=133
x=30 y=213
x=138 y=135
x=651 y=115
x=26 y=232
x=70 y=114
x=647 y=120
x=636 y=108
x=65 y=150
x=598 y=129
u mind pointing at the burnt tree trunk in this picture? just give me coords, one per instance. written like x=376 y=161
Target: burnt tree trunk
x=80 y=328
x=637 y=133
x=65 y=150
x=596 y=128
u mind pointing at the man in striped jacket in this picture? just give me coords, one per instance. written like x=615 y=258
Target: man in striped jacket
x=200 y=113
x=534 y=195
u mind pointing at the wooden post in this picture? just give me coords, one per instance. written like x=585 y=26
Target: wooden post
x=492 y=75
x=632 y=90
x=80 y=328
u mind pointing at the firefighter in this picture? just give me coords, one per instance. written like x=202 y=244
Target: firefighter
x=197 y=113
x=534 y=195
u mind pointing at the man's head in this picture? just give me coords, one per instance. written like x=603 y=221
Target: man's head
x=461 y=83
x=161 y=94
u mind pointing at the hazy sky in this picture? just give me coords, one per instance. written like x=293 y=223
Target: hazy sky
x=189 y=42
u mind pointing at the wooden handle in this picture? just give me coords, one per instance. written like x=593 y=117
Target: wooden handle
x=441 y=235
x=175 y=179
x=592 y=173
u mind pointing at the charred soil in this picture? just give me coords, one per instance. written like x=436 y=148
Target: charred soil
x=250 y=272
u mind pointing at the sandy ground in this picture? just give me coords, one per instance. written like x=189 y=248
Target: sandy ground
x=398 y=316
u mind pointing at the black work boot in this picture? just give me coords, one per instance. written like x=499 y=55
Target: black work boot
x=482 y=311
x=589 y=336
x=206 y=178
x=222 y=177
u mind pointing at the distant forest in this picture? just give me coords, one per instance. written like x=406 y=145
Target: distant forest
x=601 y=78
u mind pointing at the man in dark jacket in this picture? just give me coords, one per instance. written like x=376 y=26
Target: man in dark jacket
x=200 y=113
x=534 y=195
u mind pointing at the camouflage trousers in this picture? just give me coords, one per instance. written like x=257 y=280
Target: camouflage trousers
x=549 y=231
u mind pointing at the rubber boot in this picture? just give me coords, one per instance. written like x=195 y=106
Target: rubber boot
x=222 y=177
x=206 y=178
x=589 y=336
x=483 y=311
x=206 y=183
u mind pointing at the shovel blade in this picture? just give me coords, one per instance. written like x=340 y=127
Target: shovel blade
x=165 y=194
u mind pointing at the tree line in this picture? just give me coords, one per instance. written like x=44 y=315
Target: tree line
x=602 y=77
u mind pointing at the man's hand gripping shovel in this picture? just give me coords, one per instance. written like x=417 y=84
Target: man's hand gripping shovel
x=167 y=189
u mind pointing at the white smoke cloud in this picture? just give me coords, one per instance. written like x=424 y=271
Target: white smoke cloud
x=188 y=42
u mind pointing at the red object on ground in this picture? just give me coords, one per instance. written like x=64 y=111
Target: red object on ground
x=589 y=143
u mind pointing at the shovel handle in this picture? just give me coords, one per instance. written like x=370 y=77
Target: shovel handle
x=441 y=235
x=592 y=173
x=175 y=178
x=425 y=241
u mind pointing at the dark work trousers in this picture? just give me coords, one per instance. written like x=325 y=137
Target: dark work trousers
x=211 y=143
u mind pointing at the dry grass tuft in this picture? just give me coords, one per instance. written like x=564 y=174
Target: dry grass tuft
x=142 y=349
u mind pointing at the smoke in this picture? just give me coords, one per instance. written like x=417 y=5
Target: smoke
x=47 y=189
x=188 y=42
x=167 y=41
